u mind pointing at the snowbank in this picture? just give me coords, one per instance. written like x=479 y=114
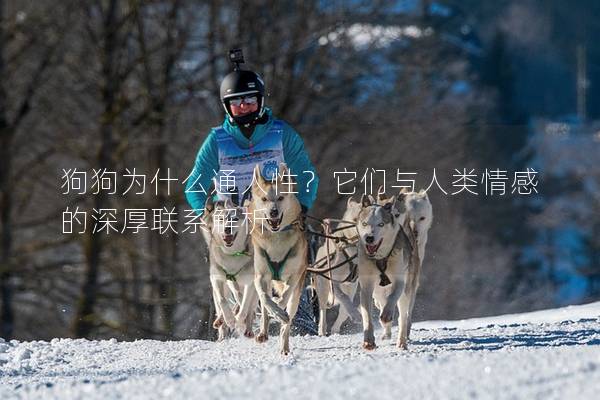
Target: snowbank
x=547 y=354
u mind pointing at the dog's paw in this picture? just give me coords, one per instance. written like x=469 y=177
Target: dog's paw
x=369 y=345
x=249 y=334
x=230 y=323
x=387 y=315
x=218 y=322
x=402 y=344
x=240 y=326
x=261 y=337
x=285 y=352
x=222 y=334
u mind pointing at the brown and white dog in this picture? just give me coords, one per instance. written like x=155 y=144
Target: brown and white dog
x=280 y=251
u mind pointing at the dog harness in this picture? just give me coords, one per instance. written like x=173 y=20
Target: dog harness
x=382 y=266
x=236 y=165
x=230 y=276
x=276 y=267
x=382 y=263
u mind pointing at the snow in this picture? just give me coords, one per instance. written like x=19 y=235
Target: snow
x=547 y=354
x=366 y=35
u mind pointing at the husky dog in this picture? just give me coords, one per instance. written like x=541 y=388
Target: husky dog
x=419 y=216
x=344 y=279
x=280 y=251
x=418 y=219
x=384 y=254
x=230 y=267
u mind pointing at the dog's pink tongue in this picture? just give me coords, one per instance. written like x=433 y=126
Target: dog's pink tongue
x=372 y=248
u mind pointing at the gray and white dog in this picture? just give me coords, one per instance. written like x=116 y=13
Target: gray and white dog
x=344 y=279
x=280 y=251
x=384 y=255
x=419 y=217
x=231 y=271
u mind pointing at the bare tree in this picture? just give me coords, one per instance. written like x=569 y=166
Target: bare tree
x=25 y=58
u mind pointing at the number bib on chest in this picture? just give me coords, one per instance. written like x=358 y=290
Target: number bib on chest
x=237 y=164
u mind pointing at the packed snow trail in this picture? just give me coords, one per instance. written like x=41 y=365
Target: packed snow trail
x=554 y=355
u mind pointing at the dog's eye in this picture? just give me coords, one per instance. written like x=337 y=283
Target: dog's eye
x=264 y=199
x=280 y=198
x=235 y=219
x=380 y=224
x=421 y=219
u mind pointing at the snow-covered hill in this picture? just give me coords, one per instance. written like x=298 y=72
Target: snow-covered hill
x=548 y=355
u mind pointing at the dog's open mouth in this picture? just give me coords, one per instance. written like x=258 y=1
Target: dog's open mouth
x=275 y=223
x=229 y=239
x=372 y=248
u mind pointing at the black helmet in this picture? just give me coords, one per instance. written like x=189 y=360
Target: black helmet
x=241 y=83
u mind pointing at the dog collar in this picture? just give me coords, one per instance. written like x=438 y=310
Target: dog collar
x=244 y=252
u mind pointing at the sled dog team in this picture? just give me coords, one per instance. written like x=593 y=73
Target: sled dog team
x=382 y=241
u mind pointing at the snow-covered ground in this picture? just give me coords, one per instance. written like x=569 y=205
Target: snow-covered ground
x=547 y=355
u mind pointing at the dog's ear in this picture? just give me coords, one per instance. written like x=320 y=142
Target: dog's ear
x=381 y=193
x=401 y=196
x=283 y=169
x=350 y=200
x=207 y=215
x=219 y=204
x=209 y=205
x=404 y=190
x=246 y=203
x=390 y=203
x=258 y=178
x=285 y=174
x=366 y=201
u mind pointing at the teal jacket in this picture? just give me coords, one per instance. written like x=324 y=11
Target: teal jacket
x=294 y=153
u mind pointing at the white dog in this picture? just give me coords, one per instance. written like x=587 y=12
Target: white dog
x=231 y=267
x=419 y=216
x=280 y=251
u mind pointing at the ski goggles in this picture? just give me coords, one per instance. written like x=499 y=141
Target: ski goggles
x=248 y=100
